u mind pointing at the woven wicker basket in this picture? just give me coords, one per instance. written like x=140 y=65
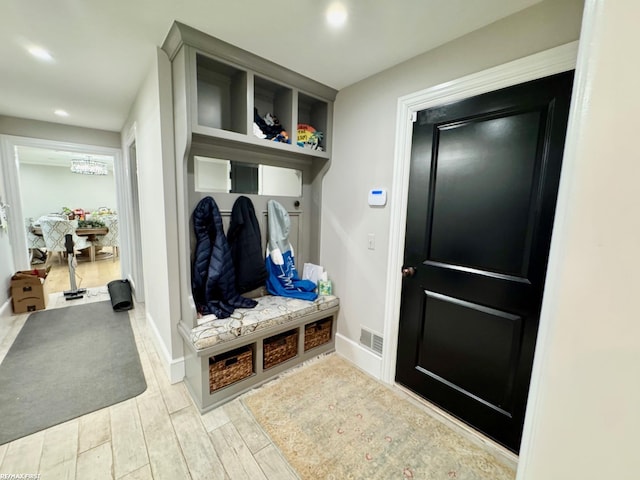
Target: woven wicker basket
x=279 y=348
x=230 y=367
x=317 y=333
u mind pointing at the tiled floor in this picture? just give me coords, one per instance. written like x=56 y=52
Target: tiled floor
x=157 y=435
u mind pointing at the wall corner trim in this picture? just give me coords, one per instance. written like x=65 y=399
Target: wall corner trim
x=174 y=368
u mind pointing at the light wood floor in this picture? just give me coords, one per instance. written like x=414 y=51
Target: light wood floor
x=157 y=435
x=88 y=274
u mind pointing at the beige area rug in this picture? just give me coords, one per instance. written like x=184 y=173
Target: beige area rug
x=334 y=422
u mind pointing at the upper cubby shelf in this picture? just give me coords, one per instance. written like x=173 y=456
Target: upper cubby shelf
x=231 y=95
x=221 y=97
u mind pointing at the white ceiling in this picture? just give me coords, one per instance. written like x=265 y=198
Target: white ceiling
x=102 y=50
x=57 y=158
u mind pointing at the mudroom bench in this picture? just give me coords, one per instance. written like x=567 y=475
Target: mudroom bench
x=226 y=357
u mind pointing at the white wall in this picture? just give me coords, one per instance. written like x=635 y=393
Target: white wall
x=152 y=116
x=46 y=189
x=583 y=416
x=363 y=152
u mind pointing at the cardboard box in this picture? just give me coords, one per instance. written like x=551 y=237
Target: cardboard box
x=27 y=290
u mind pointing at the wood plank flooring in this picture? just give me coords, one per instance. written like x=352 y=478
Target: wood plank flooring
x=88 y=274
x=158 y=435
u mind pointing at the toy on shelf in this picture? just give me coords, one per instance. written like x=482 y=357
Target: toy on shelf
x=309 y=137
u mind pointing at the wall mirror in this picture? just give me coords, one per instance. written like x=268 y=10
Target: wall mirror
x=228 y=176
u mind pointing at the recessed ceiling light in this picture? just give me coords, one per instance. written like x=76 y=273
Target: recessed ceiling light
x=61 y=113
x=336 y=14
x=40 y=53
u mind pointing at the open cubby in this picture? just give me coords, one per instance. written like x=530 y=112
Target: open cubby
x=217 y=86
x=221 y=95
x=314 y=112
x=270 y=97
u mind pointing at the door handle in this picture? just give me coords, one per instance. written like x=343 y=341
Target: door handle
x=408 y=271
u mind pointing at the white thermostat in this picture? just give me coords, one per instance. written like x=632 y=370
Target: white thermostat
x=377 y=197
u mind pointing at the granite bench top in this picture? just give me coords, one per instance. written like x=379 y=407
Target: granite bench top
x=271 y=310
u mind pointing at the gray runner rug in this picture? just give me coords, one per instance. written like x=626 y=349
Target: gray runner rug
x=64 y=363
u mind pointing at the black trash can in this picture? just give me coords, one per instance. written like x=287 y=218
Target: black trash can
x=120 y=292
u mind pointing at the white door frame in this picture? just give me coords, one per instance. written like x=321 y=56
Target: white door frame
x=11 y=179
x=131 y=205
x=549 y=62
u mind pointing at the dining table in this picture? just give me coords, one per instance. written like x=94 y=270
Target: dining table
x=90 y=232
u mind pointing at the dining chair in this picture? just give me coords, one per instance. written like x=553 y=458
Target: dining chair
x=112 y=237
x=34 y=242
x=54 y=231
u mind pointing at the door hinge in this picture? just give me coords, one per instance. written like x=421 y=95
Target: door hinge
x=413 y=116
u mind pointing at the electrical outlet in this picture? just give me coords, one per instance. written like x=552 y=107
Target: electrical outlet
x=371 y=241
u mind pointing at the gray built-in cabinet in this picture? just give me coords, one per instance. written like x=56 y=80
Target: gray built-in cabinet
x=219 y=85
x=216 y=87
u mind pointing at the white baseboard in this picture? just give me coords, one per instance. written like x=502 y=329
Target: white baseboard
x=5 y=309
x=174 y=368
x=359 y=356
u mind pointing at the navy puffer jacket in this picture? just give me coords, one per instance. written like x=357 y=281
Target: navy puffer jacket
x=246 y=249
x=212 y=275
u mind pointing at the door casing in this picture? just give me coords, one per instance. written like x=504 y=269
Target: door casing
x=549 y=62
x=10 y=176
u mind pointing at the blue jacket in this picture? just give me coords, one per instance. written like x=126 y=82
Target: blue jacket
x=212 y=274
x=283 y=277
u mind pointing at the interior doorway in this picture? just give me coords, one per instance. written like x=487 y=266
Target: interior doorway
x=136 y=237
x=549 y=62
x=41 y=182
x=482 y=193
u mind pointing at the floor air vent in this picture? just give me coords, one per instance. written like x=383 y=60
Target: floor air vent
x=371 y=340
